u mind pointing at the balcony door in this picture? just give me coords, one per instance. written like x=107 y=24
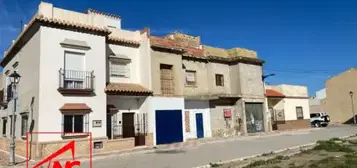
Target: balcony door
x=74 y=70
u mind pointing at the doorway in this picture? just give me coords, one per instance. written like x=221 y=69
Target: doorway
x=128 y=125
x=199 y=125
x=254 y=117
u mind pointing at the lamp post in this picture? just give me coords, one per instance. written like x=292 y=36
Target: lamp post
x=353 y=110
x=268 y=118
x=15 y=78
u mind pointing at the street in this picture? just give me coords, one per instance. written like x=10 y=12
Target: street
x=220 y=151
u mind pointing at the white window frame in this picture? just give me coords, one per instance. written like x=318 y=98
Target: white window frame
x=85 y=124
x=74 y=83
x=191 y=83
x=120 y=62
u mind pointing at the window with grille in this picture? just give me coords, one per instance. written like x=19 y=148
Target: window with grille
x=74 y=67
x=190 y=78
x=299 y=113
x=119 y=68
x=76 y=123
x=219 y=80
x=167 y=80
x=24 y=124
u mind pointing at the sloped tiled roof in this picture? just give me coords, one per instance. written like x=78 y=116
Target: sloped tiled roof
x=164 y=43
x=52 y=21
x=126 y=88
x=102 y=13
x=274 y=93
x=75 y=107
x=124 y=41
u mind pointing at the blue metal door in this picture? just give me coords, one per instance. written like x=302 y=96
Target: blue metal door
x=199 y=125
x=168 y=126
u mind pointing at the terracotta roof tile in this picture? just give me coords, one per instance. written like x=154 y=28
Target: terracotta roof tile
x=102 y=13
x=164 y=43
x=273 y=93
x=41 y=18
x=126 y=88
x=125 y=41
x=73 y=107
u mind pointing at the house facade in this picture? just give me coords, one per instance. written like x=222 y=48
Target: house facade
x=80 y=73
x=318 y=101
x=340 y=104
x=222 y=89
x=289 y=106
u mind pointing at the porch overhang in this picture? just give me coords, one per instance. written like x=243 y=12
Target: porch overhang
x=128 y=89
x=75 y=108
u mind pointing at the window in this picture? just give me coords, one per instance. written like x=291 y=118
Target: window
x=314 y=115
x=299 y=113
x=167 y=80
x=24 y=125
x=4 y=123
x=219 y=80
x=119 y=68
x=190 y=78
x=74 y=67
x=76 y=123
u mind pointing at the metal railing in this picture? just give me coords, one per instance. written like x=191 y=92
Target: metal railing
x=71 y=79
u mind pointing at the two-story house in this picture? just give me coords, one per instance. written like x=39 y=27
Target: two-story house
x=82 y=76
x=222 y=89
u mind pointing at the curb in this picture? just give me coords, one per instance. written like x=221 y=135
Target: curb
x=273 y=152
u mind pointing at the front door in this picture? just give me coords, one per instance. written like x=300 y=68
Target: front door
x=128 y=125
x=199 y=125
x=254 y=117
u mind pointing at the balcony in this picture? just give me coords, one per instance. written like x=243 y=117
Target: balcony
x=75 y=82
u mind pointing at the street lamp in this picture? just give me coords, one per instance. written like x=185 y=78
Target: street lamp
x=353 y=110
x=265 y=76
x=14 y=78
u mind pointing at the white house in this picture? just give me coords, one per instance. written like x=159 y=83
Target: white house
x=289 y=106
x=80 y=73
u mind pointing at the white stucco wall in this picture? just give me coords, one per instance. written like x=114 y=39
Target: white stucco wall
x=52 y=59
x=145 y=62
x=290 y=105
x=28 y=59
x=134 y=71
x=195 y=107
x=165 y=103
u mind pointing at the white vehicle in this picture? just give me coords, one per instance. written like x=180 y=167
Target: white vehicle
x=319 y=119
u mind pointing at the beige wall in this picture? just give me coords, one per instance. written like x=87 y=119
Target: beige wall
x=201 y=87
x=170 y=59
x=338 y=101
x=250 y=80
x=217 y=68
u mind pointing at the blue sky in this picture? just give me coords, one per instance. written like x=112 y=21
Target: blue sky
x=303 y=41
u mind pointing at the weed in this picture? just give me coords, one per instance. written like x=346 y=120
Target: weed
x=267 y=154
x=215 y=164
x=332 y=146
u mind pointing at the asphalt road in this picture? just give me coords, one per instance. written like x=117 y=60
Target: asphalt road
x=220 y=151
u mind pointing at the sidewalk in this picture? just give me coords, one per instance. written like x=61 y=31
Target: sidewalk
x=191 y=144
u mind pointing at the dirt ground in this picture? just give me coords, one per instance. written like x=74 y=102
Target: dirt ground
x=334 y=153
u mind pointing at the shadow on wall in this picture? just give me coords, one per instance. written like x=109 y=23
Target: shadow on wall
x=350 y=120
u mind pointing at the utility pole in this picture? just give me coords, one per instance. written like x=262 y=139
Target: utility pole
x=353 y=109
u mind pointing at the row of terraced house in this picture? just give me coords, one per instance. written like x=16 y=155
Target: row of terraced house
x=81 y=72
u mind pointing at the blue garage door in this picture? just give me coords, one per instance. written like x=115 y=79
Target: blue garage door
x=168 y=126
